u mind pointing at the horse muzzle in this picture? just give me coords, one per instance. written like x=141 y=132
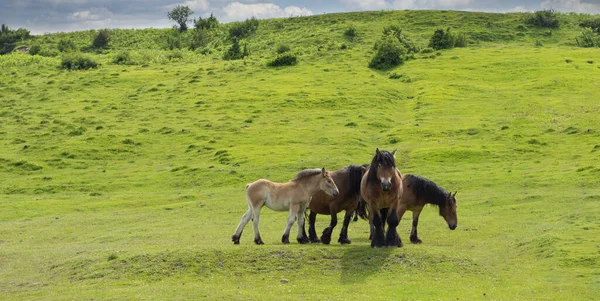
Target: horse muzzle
x=452 y=226
x=335 y=192
x=386 y=186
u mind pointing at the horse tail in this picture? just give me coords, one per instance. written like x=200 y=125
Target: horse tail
x=361 y=209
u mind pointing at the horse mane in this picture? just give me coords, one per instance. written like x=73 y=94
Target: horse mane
x=384 y=158
x=306 y=173
x=355 y=174
x=428 y=190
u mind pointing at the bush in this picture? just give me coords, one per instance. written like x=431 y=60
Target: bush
x=460 y=40
x=49 y=52
x=76 y=61
x=442 y=39
x=200 y=38
x=286 y=59
x=390 y=53
x=66 y=46
x=239 y=30
x=588 y=38
x=206 y=24
x=175 y=55
x=235 y=52
x=9 y=37
x=101 y=40
x=427 y=50
x=122 y=58
x=395 y=31
x=35 y=49
x=593 y=24
x=350 y=33
x=544 y=18
x=282 y=49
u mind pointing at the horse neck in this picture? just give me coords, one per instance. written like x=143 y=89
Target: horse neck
x=310 y=184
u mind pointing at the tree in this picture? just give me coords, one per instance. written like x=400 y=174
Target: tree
x=102 y=39
x=207 y=23
x=180 y=15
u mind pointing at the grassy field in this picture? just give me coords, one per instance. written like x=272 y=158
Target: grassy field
x=127 y=182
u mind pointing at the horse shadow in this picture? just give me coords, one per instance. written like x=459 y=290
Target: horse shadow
x=359 y=262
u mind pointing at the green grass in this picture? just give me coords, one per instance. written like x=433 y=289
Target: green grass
x=127 y=182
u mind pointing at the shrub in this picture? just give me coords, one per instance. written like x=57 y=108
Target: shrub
x=235 y=52
x=9 y=37
x=544 y=18
x=395 y=31
x=442 y=39
x=282 y=49
x=76 y=61
x=207 y=23
x=101 y=40
x=66 y=46
x=593 y=24
x=244 y=29
x=49 y=52
x=175 y=55
x=588 y=38
x=538 y=43
x=350 y=33
x=286 y=59
x=122 y=58
x=200 y=38
x=460 y=40
x=427 y=50
x=35 y=49
x=390 y=53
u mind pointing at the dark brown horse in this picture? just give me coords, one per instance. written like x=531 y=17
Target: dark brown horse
x=347 y=180
x=381 y=188
x=417 y=192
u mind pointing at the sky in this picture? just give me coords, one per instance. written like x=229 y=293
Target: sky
x=41 y=16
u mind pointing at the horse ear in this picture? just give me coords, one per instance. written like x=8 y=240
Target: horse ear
x=455 y=193
x=394 y=153
x=323 y=172
x=377 y=151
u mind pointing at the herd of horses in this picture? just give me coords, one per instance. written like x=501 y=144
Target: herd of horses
x=377 y=191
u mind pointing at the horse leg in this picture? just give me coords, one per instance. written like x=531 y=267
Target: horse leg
x=312 y=219
x=414 y=238
x=378 y=237
x=392 y=239
x=344 y=233
x=238 y=232
x=290 y=221
x=326 y=237
x=255 y=220
x=301 y=238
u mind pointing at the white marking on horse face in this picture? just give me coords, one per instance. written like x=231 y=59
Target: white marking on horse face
x=386 y=180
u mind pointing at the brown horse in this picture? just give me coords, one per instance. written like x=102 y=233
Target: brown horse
x=347 y=180
x=293 y=196
x=418 y=192
x=381 y=188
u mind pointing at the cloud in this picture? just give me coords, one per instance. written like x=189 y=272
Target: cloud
x=197 y=5
x=578 y=6
x=430 y=4
x=237 y=11
x=366 y=4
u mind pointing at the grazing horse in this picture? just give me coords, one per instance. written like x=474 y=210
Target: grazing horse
x=347 y=180
x=293 y=196
x=417 y=192
x=381 y=188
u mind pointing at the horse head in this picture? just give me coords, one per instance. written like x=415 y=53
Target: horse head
x=385 y=164
x=327 y=184
x=448 y=211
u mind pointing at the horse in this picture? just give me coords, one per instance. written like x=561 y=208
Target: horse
x=347 y=180
x=416 y=193
x=381 y=189
x=293 y=196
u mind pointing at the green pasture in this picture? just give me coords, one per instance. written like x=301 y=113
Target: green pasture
x=126 y=182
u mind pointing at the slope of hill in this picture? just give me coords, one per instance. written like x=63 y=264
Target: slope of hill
x=126 y=182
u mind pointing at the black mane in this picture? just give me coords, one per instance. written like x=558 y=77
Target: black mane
x=428 y=190
x=306 y=173
x=384 y=158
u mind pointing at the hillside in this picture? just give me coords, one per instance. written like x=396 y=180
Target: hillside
x=127 y=181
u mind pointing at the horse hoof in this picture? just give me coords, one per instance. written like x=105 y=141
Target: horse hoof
x=235 y=239
x=285 y=240
x=315 y=240
x=344 y=241
x=303 y=240
x=259 y=241
x=415 y=240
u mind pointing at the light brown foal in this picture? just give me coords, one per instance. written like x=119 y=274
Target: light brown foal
x=293 y=196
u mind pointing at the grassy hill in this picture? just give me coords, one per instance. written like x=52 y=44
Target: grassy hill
x=127 y=181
